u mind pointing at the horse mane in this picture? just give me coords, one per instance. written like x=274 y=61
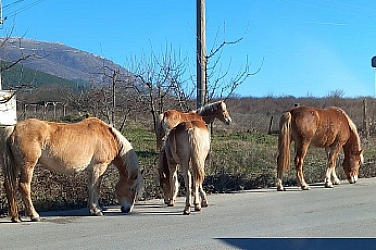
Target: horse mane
x=128 y=156
x=208 y=108
x=353 y=129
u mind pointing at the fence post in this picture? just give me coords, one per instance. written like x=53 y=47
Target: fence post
x=365 y=119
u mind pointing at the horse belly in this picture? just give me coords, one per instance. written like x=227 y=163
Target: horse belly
x=323 y=141
x=64 y=166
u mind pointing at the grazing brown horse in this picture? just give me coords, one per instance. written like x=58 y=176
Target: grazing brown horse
x=187 y=144
x=67 y=148
x=207 y=113
x=331 y=129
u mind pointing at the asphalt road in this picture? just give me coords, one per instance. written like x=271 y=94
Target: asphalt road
x=257 y=219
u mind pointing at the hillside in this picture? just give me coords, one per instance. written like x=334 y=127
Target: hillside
x=57 y=59
x=21 y=75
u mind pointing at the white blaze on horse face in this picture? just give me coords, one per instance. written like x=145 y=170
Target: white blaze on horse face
x=225 y=114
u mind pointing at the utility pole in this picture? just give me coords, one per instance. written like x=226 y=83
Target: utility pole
x=373 y=64
x=201 y=53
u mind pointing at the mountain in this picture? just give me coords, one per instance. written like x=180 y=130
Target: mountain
x=57 y=59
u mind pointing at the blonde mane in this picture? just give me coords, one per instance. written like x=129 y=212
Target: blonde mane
x=128 y=156
x=208 y=108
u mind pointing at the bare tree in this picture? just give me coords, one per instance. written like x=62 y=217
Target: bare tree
x=159 y=83
x=217 y=77
x=7 y=65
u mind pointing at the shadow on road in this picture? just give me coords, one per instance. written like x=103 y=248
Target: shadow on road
x=301 y=243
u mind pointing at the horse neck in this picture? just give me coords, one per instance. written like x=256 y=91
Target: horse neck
x=207 y=113
x=208 y=119
x=353 y=144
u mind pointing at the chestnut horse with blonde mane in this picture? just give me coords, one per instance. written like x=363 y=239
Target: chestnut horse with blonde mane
x=331 y=129
x=207 y=113
x=67 y=148
x=187 y=144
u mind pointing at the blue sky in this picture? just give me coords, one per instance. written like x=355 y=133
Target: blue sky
x=309 y=47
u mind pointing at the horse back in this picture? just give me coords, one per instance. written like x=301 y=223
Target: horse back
x=172 y=118
x=196 y=136
x=64 y=147
x=323 y=126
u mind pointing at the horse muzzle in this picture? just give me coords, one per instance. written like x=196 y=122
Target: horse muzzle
x=126 y=208
x=228 y=121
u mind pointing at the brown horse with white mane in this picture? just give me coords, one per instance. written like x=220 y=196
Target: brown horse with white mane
x=331 y=129
x=187 y=144
x=207 y=113
x=67 y=148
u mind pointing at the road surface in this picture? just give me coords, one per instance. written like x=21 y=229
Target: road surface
x=255 y=219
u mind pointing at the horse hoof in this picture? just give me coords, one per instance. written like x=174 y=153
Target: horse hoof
x=16 y=220
x=281 y=189
x=204 y=204
x=327 y=185
x=197 y=208
x=170 y=203
x=305 y=188
x=125 y=209
x=186 y=213
x=98 y=213
x=35 y=219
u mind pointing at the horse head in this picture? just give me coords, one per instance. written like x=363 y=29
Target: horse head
x=127 y=190
x=215 y=110
x=223 y=114
x=164 y=174
x=131 y=180
x=352 y=164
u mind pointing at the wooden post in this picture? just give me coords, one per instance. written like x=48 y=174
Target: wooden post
x=201 y=53
x=270 y=131
x=365 y=119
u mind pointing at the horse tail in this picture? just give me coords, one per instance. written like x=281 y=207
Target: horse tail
x=284 y=141
x=9 y=171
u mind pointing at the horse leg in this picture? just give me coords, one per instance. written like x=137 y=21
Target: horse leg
x=204 y=201
x=188 y=184
x=173 y=184
x=331 y=176
x=196 y=195
x=175 y=187
x=299 y=159
x=94 y=187
x=25 y=190
x=279 y=179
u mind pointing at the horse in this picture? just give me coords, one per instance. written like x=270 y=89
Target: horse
x=331 y=129
x=187 y=144
x=67 y=148
x=208 y=113
x=164 y=181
